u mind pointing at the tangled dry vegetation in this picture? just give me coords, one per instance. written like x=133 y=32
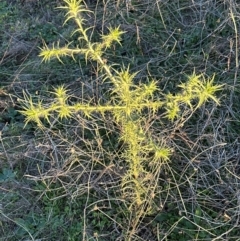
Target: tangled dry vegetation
x=64 y=181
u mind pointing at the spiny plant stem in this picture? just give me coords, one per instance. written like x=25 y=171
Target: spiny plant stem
x=127 y=105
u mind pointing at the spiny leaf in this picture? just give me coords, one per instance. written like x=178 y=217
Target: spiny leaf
x=74 y=7
x=113 y=35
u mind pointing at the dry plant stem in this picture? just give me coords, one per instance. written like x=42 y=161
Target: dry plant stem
x=17 y=223
x=232 y=5
x=127 y=103
x=236 y=34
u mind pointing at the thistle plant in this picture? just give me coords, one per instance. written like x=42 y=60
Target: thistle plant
x=128 y=105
